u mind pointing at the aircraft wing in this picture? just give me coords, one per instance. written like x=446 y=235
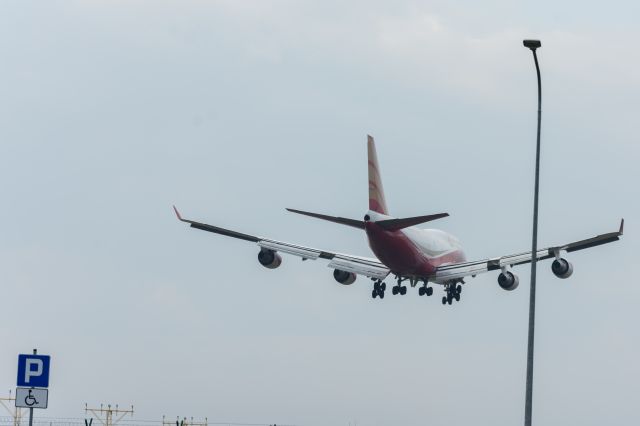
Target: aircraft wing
x=368 y=267
x=465 y=269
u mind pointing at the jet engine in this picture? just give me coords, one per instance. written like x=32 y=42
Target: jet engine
x=269 y=258
x=343 y=277
x=508 y=281
x=562 y=268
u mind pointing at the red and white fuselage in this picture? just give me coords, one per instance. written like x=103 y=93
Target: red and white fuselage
x=412 y=252
x=407 y=252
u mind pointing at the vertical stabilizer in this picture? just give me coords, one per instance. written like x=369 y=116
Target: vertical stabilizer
x=377 y=202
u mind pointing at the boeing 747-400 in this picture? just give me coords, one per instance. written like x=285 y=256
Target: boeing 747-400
x=409 y=253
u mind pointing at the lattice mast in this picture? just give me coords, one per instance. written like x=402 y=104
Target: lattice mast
x=108 y=416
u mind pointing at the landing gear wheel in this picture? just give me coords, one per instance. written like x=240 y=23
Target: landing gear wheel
x=429 y=291
x=421 y=291
x=402 y=290
x=378 y=289
x=459 y=289
x=444 y=300
x=394 y=290
x=457 y=297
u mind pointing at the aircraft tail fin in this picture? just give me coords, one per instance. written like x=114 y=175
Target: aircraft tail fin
x=377 y=202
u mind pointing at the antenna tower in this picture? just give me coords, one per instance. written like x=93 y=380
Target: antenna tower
x=108 y=416
x=15 y=412
x=184 y=422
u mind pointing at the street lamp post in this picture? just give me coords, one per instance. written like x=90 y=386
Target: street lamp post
x=533 y=45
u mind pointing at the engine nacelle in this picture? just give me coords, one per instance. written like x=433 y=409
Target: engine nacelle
x=562 y=268
x=508 y=281
x=343 y=277
x=269 y=258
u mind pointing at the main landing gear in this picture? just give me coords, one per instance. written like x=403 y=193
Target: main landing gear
x=378 y=289
x=453 y=291
x=424 y=290
x=399 y=288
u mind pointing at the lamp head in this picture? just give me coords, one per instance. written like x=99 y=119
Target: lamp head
x=532 y=44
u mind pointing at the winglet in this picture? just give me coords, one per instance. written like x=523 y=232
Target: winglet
x=621 y=231
x=178 y=214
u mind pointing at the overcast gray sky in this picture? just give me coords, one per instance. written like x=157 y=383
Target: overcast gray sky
x=111 y=111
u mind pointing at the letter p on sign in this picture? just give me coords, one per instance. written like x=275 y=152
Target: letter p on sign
x=33 y=370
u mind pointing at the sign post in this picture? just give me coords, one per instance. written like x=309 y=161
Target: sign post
x=33 y=381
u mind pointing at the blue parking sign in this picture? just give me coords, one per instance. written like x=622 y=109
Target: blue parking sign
x=33 y=370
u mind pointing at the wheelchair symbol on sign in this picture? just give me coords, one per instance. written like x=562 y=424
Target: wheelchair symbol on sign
x=30 y=400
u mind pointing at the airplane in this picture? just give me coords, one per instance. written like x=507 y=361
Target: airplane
x=427 y=256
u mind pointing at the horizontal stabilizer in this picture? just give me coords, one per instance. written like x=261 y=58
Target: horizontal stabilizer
x=387 y=224
x=395 y=224
x=341 y=220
